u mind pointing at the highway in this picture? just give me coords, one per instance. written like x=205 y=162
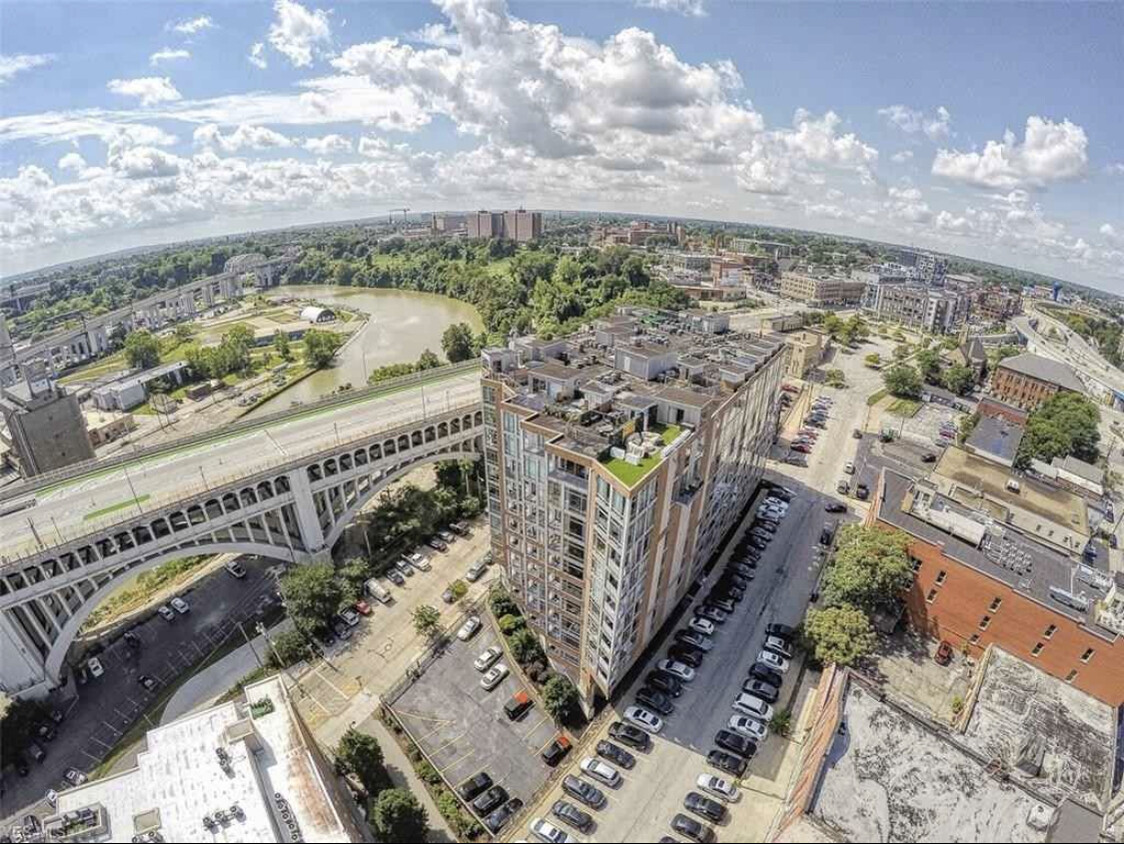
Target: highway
x=1073 y=351
x=76 y=507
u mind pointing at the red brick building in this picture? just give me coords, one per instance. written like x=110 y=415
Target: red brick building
x=975 y=585
x=1027 y=380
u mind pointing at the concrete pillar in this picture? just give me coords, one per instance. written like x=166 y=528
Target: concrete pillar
x=305 y=506
x=21 y=665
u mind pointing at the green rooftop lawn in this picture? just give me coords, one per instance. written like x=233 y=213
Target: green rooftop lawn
x=630 y=474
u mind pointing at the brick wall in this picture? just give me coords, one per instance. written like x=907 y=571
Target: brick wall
x=1020 y=390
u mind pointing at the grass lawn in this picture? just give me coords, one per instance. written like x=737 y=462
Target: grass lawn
x=874 y=398
x=113 y=508
x=630 y=474
x=904 y=407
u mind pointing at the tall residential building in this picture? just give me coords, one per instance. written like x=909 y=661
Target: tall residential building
x=521 y=226
x=617 y=459
x=821 y=290
x=931 y=268
x=485 y=224
x=44 y=428
x=447 y=223
x=925 y=308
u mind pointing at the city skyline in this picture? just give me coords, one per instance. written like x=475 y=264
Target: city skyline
x=194 y=121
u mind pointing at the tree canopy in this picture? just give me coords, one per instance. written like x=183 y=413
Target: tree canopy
x=398 y=817
x=320 y=347
x=458 y=343
x=840 y=634
x=903 y=381
x=870 y=567
x=312 y=595
x=1064 y=424
x=142 y=349
x=560 y=699
x=360 y=754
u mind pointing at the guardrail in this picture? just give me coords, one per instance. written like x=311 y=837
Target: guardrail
x=339 y=399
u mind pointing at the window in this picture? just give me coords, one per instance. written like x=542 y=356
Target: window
x=1050 y=631
x=984 y=622
x=1071 y=676
x=916 y=564
x=1088 y=655
x=995 y=604
x=941 y=575
x=975 y=638
x=932 y=596
x=1037 y=649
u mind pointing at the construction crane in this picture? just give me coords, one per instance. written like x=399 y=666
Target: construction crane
x=390 y=215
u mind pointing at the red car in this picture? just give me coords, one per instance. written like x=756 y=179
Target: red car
x=790 y=388
x=362 y=607
x=944 y=654
x=804 y=448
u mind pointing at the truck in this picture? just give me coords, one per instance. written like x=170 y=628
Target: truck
x=379 y=592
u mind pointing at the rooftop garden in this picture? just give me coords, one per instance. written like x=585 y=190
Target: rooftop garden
x=631 y=474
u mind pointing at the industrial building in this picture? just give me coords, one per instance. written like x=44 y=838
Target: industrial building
x=132 y=390
x=43 y=425
x=617 y=459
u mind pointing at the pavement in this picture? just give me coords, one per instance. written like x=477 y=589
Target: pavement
x=74 y=508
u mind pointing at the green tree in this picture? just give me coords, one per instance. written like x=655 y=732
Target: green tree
x=281 y=345
x=503 y=604
x=312 y=595
x=903 y=381
x=352 y=574
x=508 y=624
x=525 y=646
x=959 y=379
x=398 y=817
x=1007 y=351
x=142 y=349
x=320 y=347
x=873 y=359
x=840 y=634
x=361 y=755
x=1064 y=424
x=428 y=360
x=457 y=342
x=928 y=363
x=870 y=567
x=288 y=648
x=427 y=621
x=560 y=699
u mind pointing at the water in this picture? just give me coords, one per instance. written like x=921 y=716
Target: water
x=403 y=324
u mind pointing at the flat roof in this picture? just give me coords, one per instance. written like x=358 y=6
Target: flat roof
x=997 y=436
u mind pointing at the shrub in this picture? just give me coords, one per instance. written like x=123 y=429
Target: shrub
x=503 y=604
x=511 y=624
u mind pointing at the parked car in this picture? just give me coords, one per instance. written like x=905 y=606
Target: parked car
x=677 y=670
x=758 y=543
x=460 y=528
x=602 y=771
x=686 y=654
x=643 y=718
x=420 y=561
x=735 y=743
x=554 y=751
x=711 y=614
x=475 y=572
x=758 y=688
x=146 y=681
x=655 y=700
x=778 y=646
x=843 y=486
x=753 y=706
x=751 y=728
x=404 y=567
x=180 y=605
x=546 y=831
x=436 y=544
x=929 y=457
x=494 y=676
x=473 y=786
x=490 y=800
x=803 y=448
x=617 y=755
x=724 y=604
x=835 y=507
x=74 y=776
x=862 y=492
x=762 y=525
x=488 y=658
x=691 y=828
x=781 y=631
x=695 y=640
x=446 y=536
x=631 y=735
x=234 y=568
x=517 y=705
x=447 y=596
x=499 y=818
x=94 y=664
x=362 y=607
x=744 y=570
x=766 y=674
x=718 y=786
x=350 y=617
x=340 y=627
x=704 y=807
x=166 y=613
x=571 y=815
x=773 y=661
x=731 y=578
x=52 y=797
x=701 y=625
x=394 y=575
x=469 y=629
x=586 y=792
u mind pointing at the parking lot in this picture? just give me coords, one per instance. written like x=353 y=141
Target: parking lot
x=463 y=729
x=652 y=793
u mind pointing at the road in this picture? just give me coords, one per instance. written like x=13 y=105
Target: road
x=75 y=508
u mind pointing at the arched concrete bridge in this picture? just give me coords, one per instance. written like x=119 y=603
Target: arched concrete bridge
x=277 y=504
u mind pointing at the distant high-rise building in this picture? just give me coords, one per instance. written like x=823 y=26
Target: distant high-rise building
x=520 y=225
x=45 y=428
x=447 y=223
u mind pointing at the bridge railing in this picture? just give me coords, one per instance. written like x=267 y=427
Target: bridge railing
x=209 y=485
x=77 y=470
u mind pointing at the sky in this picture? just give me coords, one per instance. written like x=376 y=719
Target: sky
x=993 y=131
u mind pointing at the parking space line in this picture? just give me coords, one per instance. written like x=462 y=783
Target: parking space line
x=102 y=743
x=335 y=688
x=112 y=729
x=451 y=741
x=95 y=759
x=538 y=724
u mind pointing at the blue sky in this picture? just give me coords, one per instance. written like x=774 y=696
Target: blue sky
x=993 y=131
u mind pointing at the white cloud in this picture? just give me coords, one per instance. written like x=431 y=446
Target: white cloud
x=1049 y=152
x=257 y=56
x=72 y=161
x=167 y=54
x=1116 y=169
x=299 y=34
x=434 y=35
x=937 y=126
x=244 y=137
x=327 y=145
x=688 y=8
x=1109 y=232
x=150 y=90
x=10 y=65
x=191 y=26
x=902 y=157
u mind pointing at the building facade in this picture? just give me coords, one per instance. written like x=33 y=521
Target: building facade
x=520 y=225
x=43 y=425
x=821 y=291
x=924 y=308
x=615 y=466
x=1027 y=380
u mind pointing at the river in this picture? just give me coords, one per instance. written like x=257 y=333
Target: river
x=403 y=324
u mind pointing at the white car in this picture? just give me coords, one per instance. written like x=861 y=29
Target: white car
x=753 y=706
x=720 y=788
x=494 y=677
x=677 y=670
x=770 y=512
x=548 y=832
x=488 y=658
x=701 y=625
x=748 y=727
x=94 y=664
x=773 y=661
x=643 y=719
x=166 y=613
x=420 y=561
x=778 y=646
x=469 y=629
x=180 y=605
x=52 y=797
x=849 y=468
x=602 y=771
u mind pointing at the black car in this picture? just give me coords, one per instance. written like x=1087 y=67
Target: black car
x=782 y=631
x=727 y=762
x=732 y=578
x=499 y=818
x=617 y=755
x=490 y=800
x=712 y=810
x=586 y=792
x=664 y=683
x=781 y=492
x=686 y=654
x=570 y=814
x=556 y=750
x=47 y=732
x=769 y=527
x=146 y=681
x=928 y=458
x=656 y=701
x=735 y=743
x=758 y=543
x=728 y=592
x=628 y=734
x=132 y=639
x=835 y=507
x=766 y=691
x=862 y=492
x=762 y=534
x=691 y=828
x=761 y=671
x=474 y=786
x=724 y=604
